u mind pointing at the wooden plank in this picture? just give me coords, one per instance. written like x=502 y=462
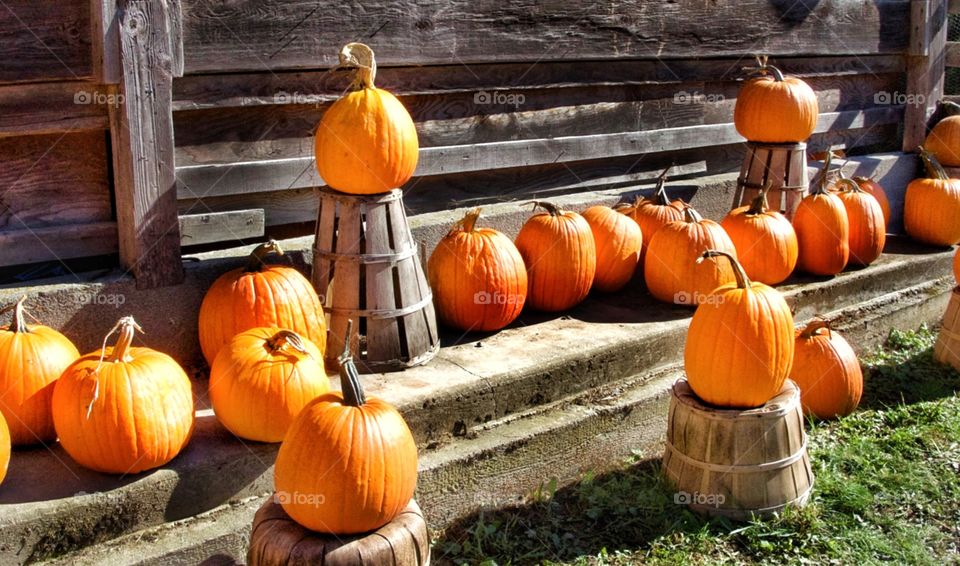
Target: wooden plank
x=198 y=229
x=175 y=36
x=45 y=41
x=105 y=42
x=19 y=247
x=44 y=108
x=143 y=148
x=953 y=7
x=952 y=54
x=925 y=67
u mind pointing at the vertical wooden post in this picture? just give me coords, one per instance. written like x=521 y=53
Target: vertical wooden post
x=105 y=42
x=142 y=134
x=925 y=68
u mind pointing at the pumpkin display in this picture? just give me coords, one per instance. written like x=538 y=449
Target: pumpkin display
x=618 y=240
x=366 y=142
x=4 y=448
x=931 y=207
x=868 y=233
x=560 y=255
x=956 y=266
x=478 y=277
x=764 y=239
x=123 y=409
x=31 y=360
x=827 y=371
x=348 y=463
x=740 y=347
x=772 y=108
x=671 y=271
x=943 y=141
x=874 y=189
x=262 y=379
x=823 y=231
x=260 y=295
x=654 y=212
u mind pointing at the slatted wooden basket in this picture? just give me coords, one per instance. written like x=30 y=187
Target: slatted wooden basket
x=784 y=166
x=947 y=348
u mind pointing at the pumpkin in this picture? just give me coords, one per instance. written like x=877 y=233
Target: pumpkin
x=558 y=249
x=262 y=379
x=874 y=189
x=618 y=240
x=764 y=239
x=654 y=212
x=772 y=108
x=260 y=295
x=671 y=270
x=478 y=277
x=740 y=346
x=868 y=232
x=348 y=464
x=123 y=409
x=826 y=369
x=823 y=231
x=943 y=141
x=31 y=360
x=4 y=448
x=956 y=266
x=366 y=142
x=931 y=207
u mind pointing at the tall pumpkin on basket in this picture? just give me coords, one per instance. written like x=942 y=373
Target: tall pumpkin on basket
x=765 y=240
x=654 y=212
x=31 y=360
x=823 y=231
x=478 y=278
x=868 y=232
x=671 y=271
x=772 y=108
x=558 y=249
x=260 y=295
x=931 y=207
x=740 y=347
x=827 y=371
x=123 y=409
x=366 y=142
x=618 y=240
x=349 y=462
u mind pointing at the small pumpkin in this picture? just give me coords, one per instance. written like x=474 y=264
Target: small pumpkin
x=31 y=360
x=874 y=189
x=671 y=270
x=478 y=277
x=931 y=207
x=366 y=142
x=740 y=346
x=124 y=409
x=348 y=464
x=618 y=240
x=823 y=231
x=4 y=448
x=559 y=252
x=764 y=239
x=654 y=212
x=262 y=379
x=260 y=295
x=943 y=141
x=772 y=108
x=827 y=371
x=868 y=232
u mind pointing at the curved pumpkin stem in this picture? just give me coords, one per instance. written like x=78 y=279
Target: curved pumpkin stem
x=850 y=184
x=815 y=325
x=743 y=281
x=468 y=222
x=759 y=204
x=256 y=261
x=360 y=56
x=763 y=68
x=17 y=321
x=285 y=338
x=552 y=209
x=349 y=376
x=934 y=169
x=127 y=328
x=690 y=215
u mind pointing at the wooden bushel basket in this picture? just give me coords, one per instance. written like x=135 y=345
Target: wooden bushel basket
x=366 y=268
x=737 y=463
x=947 y=348
x=784 y=165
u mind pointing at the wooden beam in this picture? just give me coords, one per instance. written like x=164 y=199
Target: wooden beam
x=19 y=247
x=44 y=108
x=43 y=41
x=105 y=42
x=145 y=183
x=212 y=227
x=952 y=57
x=926 y=61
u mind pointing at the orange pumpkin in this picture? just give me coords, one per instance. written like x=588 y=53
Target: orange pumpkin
x=868 y=232
x=257 y=295
x=349 y=463
x=4 y=448
x=478 y=278
x=873 y=188
x=774 y=109
x=366 y=142
x=123 y=410
x=618 y=240
x=31 y=360
x=826 y=369
x=931 y=207
x=956 y=266
x=671 y=271
x=765 y=241
x=262 y=379
x=558 y=249
x=740 y=346
x=654 y=212
x=823 y=231
x=943 y=141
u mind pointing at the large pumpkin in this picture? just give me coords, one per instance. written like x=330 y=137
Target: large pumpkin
x=4 y=448
x=123 y=409
x=739 y=347
x=654 y=212
x=868 y=233
x=671 y=270
x=262 y=379
x=260 y=295
x=765 y=241
x=349 y=463
x=823 y=232
x=558 y=249
x=774 y=109
x=31 y=360
x=618 y=240
x=873 y=188
x=826 y=369
x=366 y=142
x=931 y=207
x=478 y=277
x=943 y=141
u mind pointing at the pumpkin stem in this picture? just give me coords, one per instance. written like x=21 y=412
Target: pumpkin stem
x=127 y=328
x=256 y=261
x=759 y=204
x=820 y=187
x=934 y=169
x=690 y=215
x=850 y=186
x=815 y=325
x=360 y=57
x=17 y=322
x=468 y=222
x=659 y=196
x=763 y=68
x=552 y=209
x=349 y=377
x=743 y=281
x=284 y=338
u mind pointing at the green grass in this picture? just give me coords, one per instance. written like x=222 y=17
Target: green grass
x=887 y=490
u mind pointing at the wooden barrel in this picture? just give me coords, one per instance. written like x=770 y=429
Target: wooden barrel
x=947 y=348
x=737 y=463
x=784 y=166
x=366 y=267
x=276 y=540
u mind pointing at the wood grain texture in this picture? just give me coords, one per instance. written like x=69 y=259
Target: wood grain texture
x=45 y=40
x=925 y=67
x=105 y=42
x=43 y=108
x=231 y=226
x=55 y=243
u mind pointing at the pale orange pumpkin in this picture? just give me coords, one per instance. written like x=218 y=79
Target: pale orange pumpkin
x=827 y=371
x=931 y=207
x=943 y=141
x=618 y=240
x=823 y=231
x=772 y=108
x=874 y=189
x=868 y=233
x=765 y=241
